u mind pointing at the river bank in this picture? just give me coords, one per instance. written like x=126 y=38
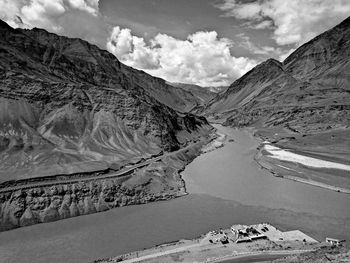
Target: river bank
x=156 y=179
x=296 y=167
x=133 y=228
x=239 y=241
x=320 y=159
x=232 y=173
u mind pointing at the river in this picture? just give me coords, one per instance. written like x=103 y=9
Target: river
x=226 y=186
x=231 y=173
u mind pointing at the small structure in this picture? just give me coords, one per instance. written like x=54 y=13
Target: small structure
x=224 y=239
x=231 y=235
x=334 y=241
x=243 y=240
x=258 y=237
x=217 y=236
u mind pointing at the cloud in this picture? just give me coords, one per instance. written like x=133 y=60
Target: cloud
x=90 y=6
x=131 y=49
x=279 y=53
x=283 y=55
x=292 y=21
x=262 y=25
x=202 y=58
x=42 y=13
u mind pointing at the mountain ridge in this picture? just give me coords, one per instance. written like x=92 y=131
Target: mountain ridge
x=317 y=65
x=301 y=104
x=68 y=87
x=82 y=133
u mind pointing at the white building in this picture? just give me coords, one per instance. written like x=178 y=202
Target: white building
x=334 y=241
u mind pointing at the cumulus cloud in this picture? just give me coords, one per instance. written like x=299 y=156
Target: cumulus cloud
x=203 y=58
x=292 y=21
x=131 y=49
x=42 y=13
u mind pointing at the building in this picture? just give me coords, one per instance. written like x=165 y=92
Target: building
x=243 y=240
x=334 y=241
x=258 y=237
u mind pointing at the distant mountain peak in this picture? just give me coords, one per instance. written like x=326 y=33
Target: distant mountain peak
x=263 y=72
x=309 y=90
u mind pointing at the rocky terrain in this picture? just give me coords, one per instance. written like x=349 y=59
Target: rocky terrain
x=302 y=103
x=64 y=101
x=203 y=94
x=308 y=92
x=68 y=107
x=159 y=180
x=323 y=255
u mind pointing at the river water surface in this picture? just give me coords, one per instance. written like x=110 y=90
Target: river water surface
x=231 y=173
x=226 y=187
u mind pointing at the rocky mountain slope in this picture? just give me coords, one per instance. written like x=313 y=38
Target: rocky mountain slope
x=308 y=91
x=203 y=94
x=156 y=181
x=302 y=103
x=69 y=110
x=66 y=106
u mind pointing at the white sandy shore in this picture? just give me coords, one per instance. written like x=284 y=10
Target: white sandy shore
x=285 y=155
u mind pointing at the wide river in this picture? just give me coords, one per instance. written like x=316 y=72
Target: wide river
x=226 y=187
x=231 y=173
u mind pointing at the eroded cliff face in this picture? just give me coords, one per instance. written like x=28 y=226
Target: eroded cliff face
x=47 y=204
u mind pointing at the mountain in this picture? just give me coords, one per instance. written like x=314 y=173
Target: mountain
x=67 y=106
x=82 y=133
x=218 y=89
x=301 y=104
x=309 y=91
x=203 y=94
x=309 y=88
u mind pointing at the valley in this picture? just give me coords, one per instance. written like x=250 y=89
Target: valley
x=301 y=105
x=99 y=159
x=226 y=186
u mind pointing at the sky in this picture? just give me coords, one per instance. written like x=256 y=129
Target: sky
x=203 y=42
